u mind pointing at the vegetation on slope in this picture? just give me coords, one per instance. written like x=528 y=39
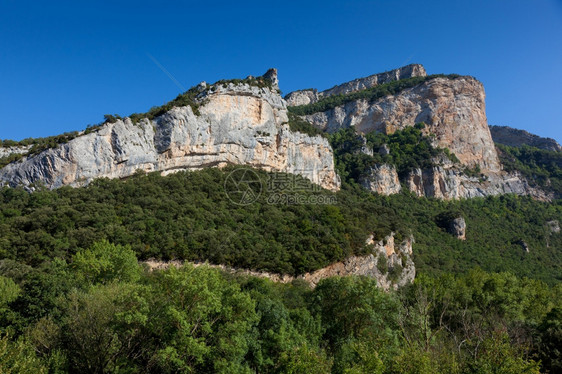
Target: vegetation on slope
x=370 y=94
x=407 y=149
x=100 y=312
x=297 y=124
x=539 y=166
x=189 y=216
x=37 y=145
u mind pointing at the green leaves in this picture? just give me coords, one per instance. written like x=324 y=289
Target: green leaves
x=104 y=262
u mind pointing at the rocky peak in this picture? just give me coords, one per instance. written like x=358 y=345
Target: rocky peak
x=516 y=138
x=271 y=75
x=453 y=108
x=311 y=96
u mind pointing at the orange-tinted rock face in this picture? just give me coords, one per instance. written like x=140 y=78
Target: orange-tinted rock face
x=453 y=109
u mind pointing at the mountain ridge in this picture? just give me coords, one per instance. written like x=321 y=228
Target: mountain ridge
x=247 y=122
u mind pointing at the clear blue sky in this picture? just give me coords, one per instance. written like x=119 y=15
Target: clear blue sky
x=64 y=64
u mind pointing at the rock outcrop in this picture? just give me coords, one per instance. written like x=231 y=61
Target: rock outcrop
x=516 y=138
x=237 y=123
x=453 y=110
x=390 y=264
x=553 y=226
x=382 y=179
x=450 y=183
x=311 y=96
x=457 y=227
x=6 y=151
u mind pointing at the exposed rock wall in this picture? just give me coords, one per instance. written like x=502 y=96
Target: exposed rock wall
x=238 y=124
x=457 y=227
x=312 y=96
x=397 y=260
x=517 y=138
x=451 y=183
x=453 y=109
x=6 y=151
x=382 y=179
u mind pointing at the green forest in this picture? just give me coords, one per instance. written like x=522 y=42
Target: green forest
x=102 y=312
x=75 y=298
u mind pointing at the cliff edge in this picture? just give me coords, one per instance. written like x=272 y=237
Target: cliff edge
x=242 y=122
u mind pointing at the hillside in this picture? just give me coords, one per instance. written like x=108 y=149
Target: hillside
x=450 y=244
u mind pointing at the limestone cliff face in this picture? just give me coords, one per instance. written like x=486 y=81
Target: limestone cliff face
x=311 y=96
x=6 y=151
x=453 y=109
x=382 y=179
x=389 y=263
x=451 y=183
x=448 y=181
x=454 y=112
x=517 y=138
x=237 y=124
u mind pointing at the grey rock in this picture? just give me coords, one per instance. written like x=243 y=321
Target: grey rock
x=238 y=124
x=6 y=151
x=516 y=138
x=382 y=179
x=384 y=150
x=449 y=182
x=305 y=97
x=524 y=246
x=457 y=227
x=553 y=226
x=271 y=74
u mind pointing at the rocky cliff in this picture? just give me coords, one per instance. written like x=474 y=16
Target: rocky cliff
x=6 y=151
x=448 y=181
x=453 y=109
x=236 y=123
x=517 y=138
x=311 y=96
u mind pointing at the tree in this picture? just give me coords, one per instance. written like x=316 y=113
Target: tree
x=104 y=262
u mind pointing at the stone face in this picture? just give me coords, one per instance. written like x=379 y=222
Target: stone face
x=312 y=96
x=524 y=246
x=238 y=124
x=450 y=183
x=457 y=227
x=6 y=151
x=453 y=110
x=382 y=179
x=517 y=138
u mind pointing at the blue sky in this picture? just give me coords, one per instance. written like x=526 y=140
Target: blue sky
x=65 y=64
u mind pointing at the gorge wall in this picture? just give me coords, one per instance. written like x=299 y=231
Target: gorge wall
x=238 y=123
x=454 y=111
